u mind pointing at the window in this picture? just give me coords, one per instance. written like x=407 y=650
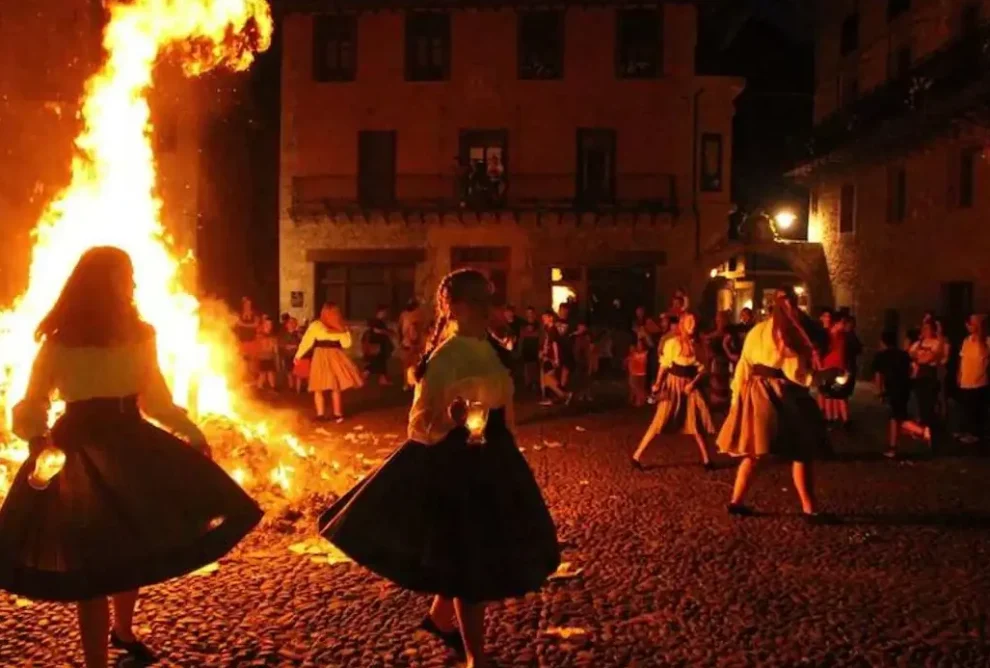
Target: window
x=639 y=39
x=900 y=61
x=711 y=162
x=359 y=288
x=896 y=194
x=847 y=209
x=541 y=45
x=596 y=166
x=967 y=176
x=969 y=19
x=376 y=168
x=897 y=7
x=334 y=48
x=427 y=46
x=849 y=37
x=484 y=179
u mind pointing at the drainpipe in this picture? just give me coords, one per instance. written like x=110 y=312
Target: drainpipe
x=694 y=175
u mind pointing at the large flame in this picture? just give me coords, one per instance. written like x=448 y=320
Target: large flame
x=111 y=200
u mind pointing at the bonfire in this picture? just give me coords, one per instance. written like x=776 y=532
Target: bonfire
x=112 y=200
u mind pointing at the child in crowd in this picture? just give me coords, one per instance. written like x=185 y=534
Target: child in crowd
x=636 y=367
x=288 y=344
x=377 y=346
x=892 y=374
x=266 y=351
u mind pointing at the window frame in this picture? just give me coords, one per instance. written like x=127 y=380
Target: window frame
x=522 y=49
x=851 y=228
x=581 y=197
x=365 y=198
x=440 y=29
x=391 y=281
x=622 y=28
x=333 y=27
x=487 y=139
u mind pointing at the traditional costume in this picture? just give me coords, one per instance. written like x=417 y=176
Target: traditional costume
x=680 y=411
x=445 y=517
x=133 y=505
x=772 y=411
x=331 y=368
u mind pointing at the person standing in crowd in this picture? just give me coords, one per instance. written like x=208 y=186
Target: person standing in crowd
x=926 y=353
x=582 y=346
x=410 y=340
x=266 y=352
x=513 y=327
x=746 y=321
x=529 y=337
x=892 y=376
x=331 y=370
x=636 y=369
x=550 y=362
x=119 y=515
x=442 y=516
x=565 y=344
x=377 y=345
x=834 y=392
x=647 y=330
x=605 y=347
x=942 y=404
x=772 y=412
x=682 y=408
x=246 y=331
x=288 y=344
x=719 y=342
x=974 y=357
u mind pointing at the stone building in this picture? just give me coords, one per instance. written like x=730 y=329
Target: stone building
x=898 y=180
x=569 y=150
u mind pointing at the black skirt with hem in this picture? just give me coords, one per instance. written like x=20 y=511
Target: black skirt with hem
x=453 y=519
x=133 y=506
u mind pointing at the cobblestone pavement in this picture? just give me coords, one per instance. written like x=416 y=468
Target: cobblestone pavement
x=668 y=578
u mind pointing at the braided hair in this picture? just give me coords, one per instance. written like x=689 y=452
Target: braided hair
x=462 y=285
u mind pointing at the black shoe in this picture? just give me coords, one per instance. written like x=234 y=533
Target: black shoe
x=136 y=649
x=739 y=510
x=452 y=639
x=637 y=465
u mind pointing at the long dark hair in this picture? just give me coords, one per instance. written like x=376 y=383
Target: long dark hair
x=787 y=325
x=463 y=285
x=96 y=306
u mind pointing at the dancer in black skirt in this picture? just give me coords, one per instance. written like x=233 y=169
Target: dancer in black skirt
x=133 y=505
x=444 y=516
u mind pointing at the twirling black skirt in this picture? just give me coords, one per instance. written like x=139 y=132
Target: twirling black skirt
x=451 y=519
x=133 y=506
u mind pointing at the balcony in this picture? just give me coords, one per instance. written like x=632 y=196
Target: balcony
x=948 y=86
x=322 y=196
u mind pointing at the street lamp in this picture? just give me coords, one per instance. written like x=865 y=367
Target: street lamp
x=784 y=219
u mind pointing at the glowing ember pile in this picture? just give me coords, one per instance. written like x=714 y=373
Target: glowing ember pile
x=111 y=201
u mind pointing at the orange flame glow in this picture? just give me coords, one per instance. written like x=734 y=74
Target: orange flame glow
x=111 y=199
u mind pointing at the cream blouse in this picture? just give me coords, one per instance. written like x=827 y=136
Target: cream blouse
x=465 y=367
x=86 y=372
x=673 y=351
x=762 y=348
x=317 y=331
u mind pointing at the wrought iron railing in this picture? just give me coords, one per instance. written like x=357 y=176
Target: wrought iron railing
x=317 y=194
x=916 y=105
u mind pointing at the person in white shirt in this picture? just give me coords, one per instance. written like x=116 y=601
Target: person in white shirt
x=682 y=408
x=974 y=356
x=332 y=369
x=446 y=514
x=772 y=412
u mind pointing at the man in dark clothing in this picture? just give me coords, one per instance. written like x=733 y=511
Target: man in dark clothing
x=892 y=374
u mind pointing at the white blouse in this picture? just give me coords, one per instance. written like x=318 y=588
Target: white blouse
x=87 y=372
x=673 y=351
x=763 y=348
x=464 y=367
x=317 y=331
